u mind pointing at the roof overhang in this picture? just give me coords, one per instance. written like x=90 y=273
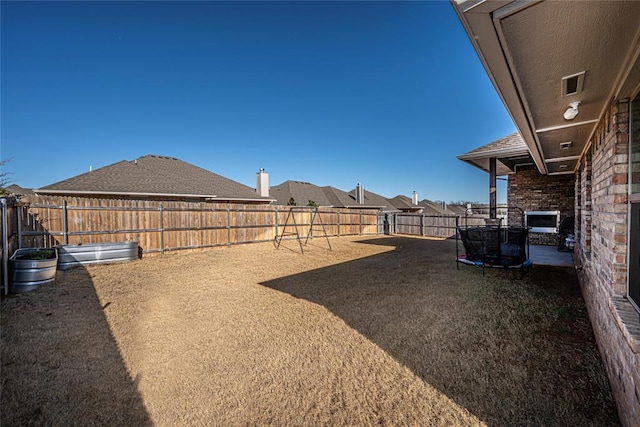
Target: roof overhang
x=208 y=197
x=527 y=47
x=508 y=159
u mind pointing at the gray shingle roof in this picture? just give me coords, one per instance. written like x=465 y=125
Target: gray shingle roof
x=153 y=175
x=17 y=190
x=404 y=203
x=433 y=208
x=301 y=192
x=373 y=199
x=457 y=209
x=510 y=151
x=508 y=143
x=326 y=196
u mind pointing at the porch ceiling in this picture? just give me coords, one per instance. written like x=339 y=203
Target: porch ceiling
x=527 y=47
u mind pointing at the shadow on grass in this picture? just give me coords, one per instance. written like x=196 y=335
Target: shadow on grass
x=50 y=376
x=511 y=352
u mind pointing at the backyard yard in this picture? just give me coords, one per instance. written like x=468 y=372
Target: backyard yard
x=377 y=331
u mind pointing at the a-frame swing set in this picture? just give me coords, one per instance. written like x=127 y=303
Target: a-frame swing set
x=291 y=218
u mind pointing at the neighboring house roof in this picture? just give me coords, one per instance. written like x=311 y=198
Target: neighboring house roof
x=457 y=209
x=373 y=199
x=433 y=208
x=17 y=190
x=326 y=196
x=404 y=203
x=156 y=176
x=301 y=192
x=510 y=152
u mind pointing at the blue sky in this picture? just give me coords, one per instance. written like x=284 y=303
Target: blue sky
x=332 y=93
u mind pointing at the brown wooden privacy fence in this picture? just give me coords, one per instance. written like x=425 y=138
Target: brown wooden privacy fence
x=8 y=238
x=432 y=225
x=173 y=225
x=9 y=226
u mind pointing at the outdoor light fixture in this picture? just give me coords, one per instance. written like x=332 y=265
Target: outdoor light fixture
x=572 y=111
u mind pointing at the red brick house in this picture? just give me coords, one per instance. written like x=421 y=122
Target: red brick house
x=569 y=75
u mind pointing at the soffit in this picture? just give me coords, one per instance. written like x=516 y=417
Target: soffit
x=551 y=141
x=529 y=46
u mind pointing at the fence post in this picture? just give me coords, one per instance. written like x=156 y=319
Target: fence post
x=65 y=224
x=361 y=223
x=422 y=225
x=5 y=248
x=19 y=215
x=338 y=223
x=277 y=227
x=228 y=223
x=161 y=228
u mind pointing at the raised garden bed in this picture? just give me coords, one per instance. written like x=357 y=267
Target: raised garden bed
x=29 y=268
x=96 y=253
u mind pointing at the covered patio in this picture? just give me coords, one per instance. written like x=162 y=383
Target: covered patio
x=569 y=75
x=533 y=199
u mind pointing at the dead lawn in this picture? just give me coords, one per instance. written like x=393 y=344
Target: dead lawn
x=380 y=330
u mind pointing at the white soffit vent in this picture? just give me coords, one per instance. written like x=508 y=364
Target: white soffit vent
x=572 y=85
x=565 y=145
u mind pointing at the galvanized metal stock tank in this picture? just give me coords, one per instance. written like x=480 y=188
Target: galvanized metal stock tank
x=28 y=274
x=95 y=253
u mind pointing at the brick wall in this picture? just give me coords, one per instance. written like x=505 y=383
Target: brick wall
x=622 y=363
x=597 y=196
x=583 y=204
x=532 y=191
x=601 y=254
x=610 y=149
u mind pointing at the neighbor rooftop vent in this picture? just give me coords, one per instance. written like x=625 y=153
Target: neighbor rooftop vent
x=572 y=85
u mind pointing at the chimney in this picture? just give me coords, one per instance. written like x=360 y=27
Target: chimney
x=414 y=198
x=262 y=183
x=359 y=194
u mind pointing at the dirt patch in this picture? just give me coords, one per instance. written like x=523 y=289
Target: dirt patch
x=379 y=330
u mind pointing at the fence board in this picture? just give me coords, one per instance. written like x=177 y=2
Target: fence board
x=174 y=225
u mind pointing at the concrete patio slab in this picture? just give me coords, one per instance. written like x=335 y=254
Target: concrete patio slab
x=549 y=255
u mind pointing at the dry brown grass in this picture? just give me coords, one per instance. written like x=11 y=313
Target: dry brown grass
x=381 y=330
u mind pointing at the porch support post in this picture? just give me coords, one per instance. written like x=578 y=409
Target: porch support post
x=493 y=200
